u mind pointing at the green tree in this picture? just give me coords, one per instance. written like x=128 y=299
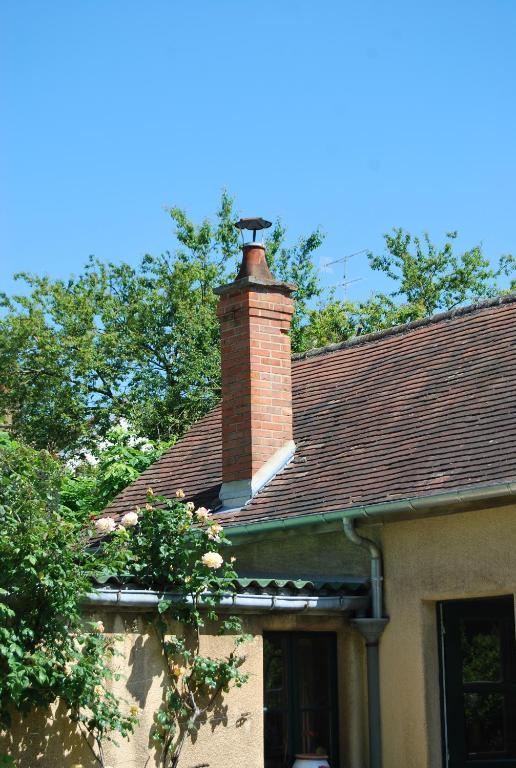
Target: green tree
x=92 y=481
x=139 y=343
x=426 y=279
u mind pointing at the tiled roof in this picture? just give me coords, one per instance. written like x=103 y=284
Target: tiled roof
x=416 y=410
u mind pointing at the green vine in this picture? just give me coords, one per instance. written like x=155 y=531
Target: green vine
x=50 y=654
x=173 y=547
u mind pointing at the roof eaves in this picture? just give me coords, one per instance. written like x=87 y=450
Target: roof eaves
x=417 y=506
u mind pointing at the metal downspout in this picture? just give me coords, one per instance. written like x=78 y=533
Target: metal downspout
x=375 y=556
x=371 y=630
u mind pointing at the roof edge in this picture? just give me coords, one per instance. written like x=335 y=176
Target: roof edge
x=415 y=506
x=508 y=298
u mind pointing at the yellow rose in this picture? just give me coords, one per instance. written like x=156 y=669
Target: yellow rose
x=214 y=530
x=178 y=671
x=212 y=560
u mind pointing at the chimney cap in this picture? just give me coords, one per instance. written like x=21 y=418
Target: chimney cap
x=253 y=224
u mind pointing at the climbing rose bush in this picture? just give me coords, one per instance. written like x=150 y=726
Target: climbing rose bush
x=48 y=652
x=182 y=551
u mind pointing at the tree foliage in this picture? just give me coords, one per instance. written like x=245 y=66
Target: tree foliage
x=426 y=279
x=92 y=480
x=139 y=343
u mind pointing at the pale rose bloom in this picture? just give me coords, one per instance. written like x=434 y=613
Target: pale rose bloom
x=214 y=530
x=105 y=525
x=189 y=506
x=149 y=507
x=189 y=514
x=232 y=559
x=203 y=514
x=129 y=519
x=98 y=690
x=99 y=627
x=77 y=645
x=67 y=669
x=180 y=494
x=212 y=560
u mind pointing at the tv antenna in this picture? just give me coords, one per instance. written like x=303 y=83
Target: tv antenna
x=344 y=261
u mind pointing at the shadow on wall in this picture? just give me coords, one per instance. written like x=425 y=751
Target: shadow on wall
x=46 y=739
x=146 y=664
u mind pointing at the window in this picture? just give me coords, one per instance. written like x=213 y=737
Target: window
x=478 y=663
x=300 y=696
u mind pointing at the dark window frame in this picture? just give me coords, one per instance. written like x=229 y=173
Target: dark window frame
x=292 y=709
x=452 y=686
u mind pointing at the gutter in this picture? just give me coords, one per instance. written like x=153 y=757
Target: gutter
x=415 y=506
x=141 y=599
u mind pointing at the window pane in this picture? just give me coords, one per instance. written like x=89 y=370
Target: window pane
x=484 y=724
x=481 y=650
x=314 y=683
x=274 y=672
x=315 y=733
x=276 y=740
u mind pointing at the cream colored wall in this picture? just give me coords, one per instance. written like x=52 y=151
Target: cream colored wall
x=472 y=554
x=233 y=736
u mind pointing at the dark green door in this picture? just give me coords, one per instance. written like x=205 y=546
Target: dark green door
x=478 y=663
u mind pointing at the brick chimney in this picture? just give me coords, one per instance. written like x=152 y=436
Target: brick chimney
x=255 y=312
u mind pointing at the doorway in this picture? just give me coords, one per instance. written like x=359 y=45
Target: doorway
x=300 y=697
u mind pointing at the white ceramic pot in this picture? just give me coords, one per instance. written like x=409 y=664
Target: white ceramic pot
x=311 y=761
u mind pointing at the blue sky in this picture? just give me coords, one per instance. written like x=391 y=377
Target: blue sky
x=353 y=116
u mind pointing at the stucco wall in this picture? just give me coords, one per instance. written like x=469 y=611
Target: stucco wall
x=471 y=554
x=233 y=735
